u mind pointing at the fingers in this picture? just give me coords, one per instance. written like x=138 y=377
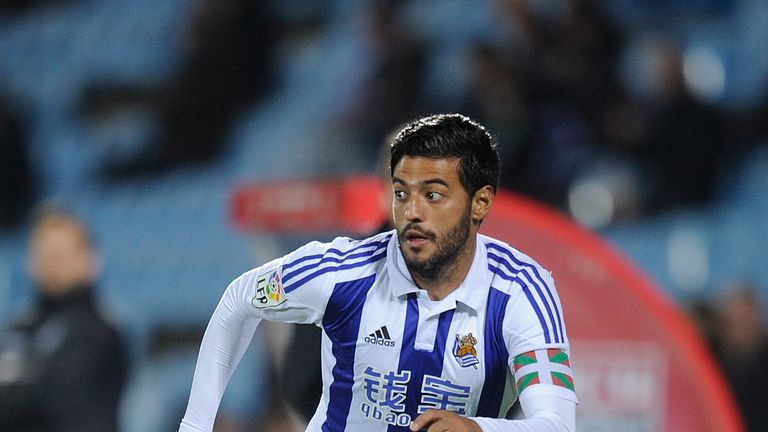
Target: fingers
x=443 y=421
x=425 y=420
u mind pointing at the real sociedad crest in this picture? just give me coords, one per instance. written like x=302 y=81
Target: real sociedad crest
x=464 y=351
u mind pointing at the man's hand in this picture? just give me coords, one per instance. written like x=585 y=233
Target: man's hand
x=443 y=421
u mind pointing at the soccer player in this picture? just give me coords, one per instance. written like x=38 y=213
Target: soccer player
x=431 y=326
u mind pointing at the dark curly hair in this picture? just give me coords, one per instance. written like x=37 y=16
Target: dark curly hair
x=446 y=136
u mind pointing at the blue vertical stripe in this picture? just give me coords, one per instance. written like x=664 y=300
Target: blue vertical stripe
x=419 y=362
x=495 y=357
x=342 y=325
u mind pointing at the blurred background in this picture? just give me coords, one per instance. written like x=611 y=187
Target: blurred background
x=645 y=121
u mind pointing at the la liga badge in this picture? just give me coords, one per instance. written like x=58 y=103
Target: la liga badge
x=269 y=289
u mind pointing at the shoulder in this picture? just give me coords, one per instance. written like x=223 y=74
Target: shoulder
x=343 y=254
x=307 y=275
x=26 y=320
x=533 y=315
x=93 y=321
x=317 y=253
x=509 y=263
x=339 y=247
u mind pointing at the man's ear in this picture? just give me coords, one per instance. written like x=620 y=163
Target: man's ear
x=481 y=203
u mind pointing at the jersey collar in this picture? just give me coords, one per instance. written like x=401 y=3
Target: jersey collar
x=472 y=292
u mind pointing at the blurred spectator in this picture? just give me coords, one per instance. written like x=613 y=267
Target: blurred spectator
x=757 y=126
x=704 y=318
x=567 y=67
x=227 y=65
x=18 y=6
x=496 y=98
x=743 y=341
x=301 y=377
x=574 y=49
x=685 y=145
x=62 y=367
x=16 y=180
x=389 y=89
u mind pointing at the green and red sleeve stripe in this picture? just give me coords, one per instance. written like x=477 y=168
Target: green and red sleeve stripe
x=551 y=366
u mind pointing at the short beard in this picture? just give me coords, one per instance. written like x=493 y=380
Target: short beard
x=448 y=250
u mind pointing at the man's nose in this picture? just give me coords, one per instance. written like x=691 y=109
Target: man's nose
x=414 y=209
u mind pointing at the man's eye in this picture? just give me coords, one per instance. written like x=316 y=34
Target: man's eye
x=432 y=196
x=399 y=194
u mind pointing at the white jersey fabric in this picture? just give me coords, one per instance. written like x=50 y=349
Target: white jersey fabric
x=389 y=352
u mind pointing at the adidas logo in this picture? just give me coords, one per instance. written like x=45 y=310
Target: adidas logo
x=380 y=337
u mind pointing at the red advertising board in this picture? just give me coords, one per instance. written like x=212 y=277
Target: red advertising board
x=638 y=364
x=309 y=206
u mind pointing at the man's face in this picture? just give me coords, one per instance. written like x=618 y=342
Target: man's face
x=61 y=258
x=431 y=211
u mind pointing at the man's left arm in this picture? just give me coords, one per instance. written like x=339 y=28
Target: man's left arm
x=539 y=358
x=543 y=412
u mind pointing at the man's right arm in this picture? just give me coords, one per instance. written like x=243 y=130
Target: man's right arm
x=255 y=295
x=294 y=288
x=228 y=335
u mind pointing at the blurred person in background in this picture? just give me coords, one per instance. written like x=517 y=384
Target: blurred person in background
x=743 y=352
x=685 y=146
x=388 y=85
x=705 y=319
x=63 y=365
x=16 y=178
x=227 y=61
x=496 y=96
x=11 y=7
x=560 y=71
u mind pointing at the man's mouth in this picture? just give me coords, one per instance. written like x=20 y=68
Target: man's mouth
x=415 y=238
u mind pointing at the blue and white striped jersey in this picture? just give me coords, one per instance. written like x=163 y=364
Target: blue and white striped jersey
x=388 y=351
